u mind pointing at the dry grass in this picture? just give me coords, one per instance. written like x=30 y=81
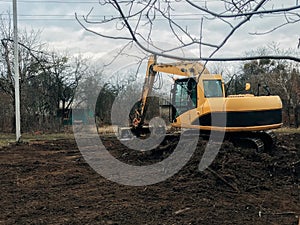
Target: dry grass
x=107 y=129
x=288 y=130
x=6 y=139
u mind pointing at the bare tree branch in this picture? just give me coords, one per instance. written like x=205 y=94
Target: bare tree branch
x=140 y=22
x=219 y=15
x=102 y=35
x=236 y=27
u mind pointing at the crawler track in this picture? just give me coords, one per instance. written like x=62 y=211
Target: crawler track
x=262 y=141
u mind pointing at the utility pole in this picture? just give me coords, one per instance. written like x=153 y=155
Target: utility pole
x=16 y=70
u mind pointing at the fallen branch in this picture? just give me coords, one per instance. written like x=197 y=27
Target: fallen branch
x=295 y=163
x=181 y=211
x=284 y=213
x=287 y=213
x=223 y=179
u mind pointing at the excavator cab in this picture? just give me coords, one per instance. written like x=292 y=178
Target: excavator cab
x=184 y=96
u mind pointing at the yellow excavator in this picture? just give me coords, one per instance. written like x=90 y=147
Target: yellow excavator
x=199 y=102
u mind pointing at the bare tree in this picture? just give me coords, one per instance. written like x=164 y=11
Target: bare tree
x=47 y=80
x=30 y=60
x=280 y=77
x=144 y=22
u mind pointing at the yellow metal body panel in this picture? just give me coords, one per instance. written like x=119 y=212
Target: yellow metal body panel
x=253 y=103
x=187 y=69
x=240 y=103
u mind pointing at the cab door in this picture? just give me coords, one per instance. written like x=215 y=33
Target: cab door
x=184 y=96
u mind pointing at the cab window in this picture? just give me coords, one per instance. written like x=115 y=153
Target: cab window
x=184 y=95
x=213 y=88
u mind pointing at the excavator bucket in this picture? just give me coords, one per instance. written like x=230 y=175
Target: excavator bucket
x=124 y=133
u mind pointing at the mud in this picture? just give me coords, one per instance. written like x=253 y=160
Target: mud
x=49 y=182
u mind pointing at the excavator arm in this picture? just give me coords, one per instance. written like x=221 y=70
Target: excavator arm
x=137 y=114
x=187 y=69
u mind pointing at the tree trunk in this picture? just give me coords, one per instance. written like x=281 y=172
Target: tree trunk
x=296 y=113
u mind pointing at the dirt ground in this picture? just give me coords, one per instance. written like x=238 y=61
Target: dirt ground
x=49 y=182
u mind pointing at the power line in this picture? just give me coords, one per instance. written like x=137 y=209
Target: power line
x=192 y=16
x=82 y=2
x=53 y=1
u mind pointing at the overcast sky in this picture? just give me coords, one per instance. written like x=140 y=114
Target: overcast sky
x=61 y=31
